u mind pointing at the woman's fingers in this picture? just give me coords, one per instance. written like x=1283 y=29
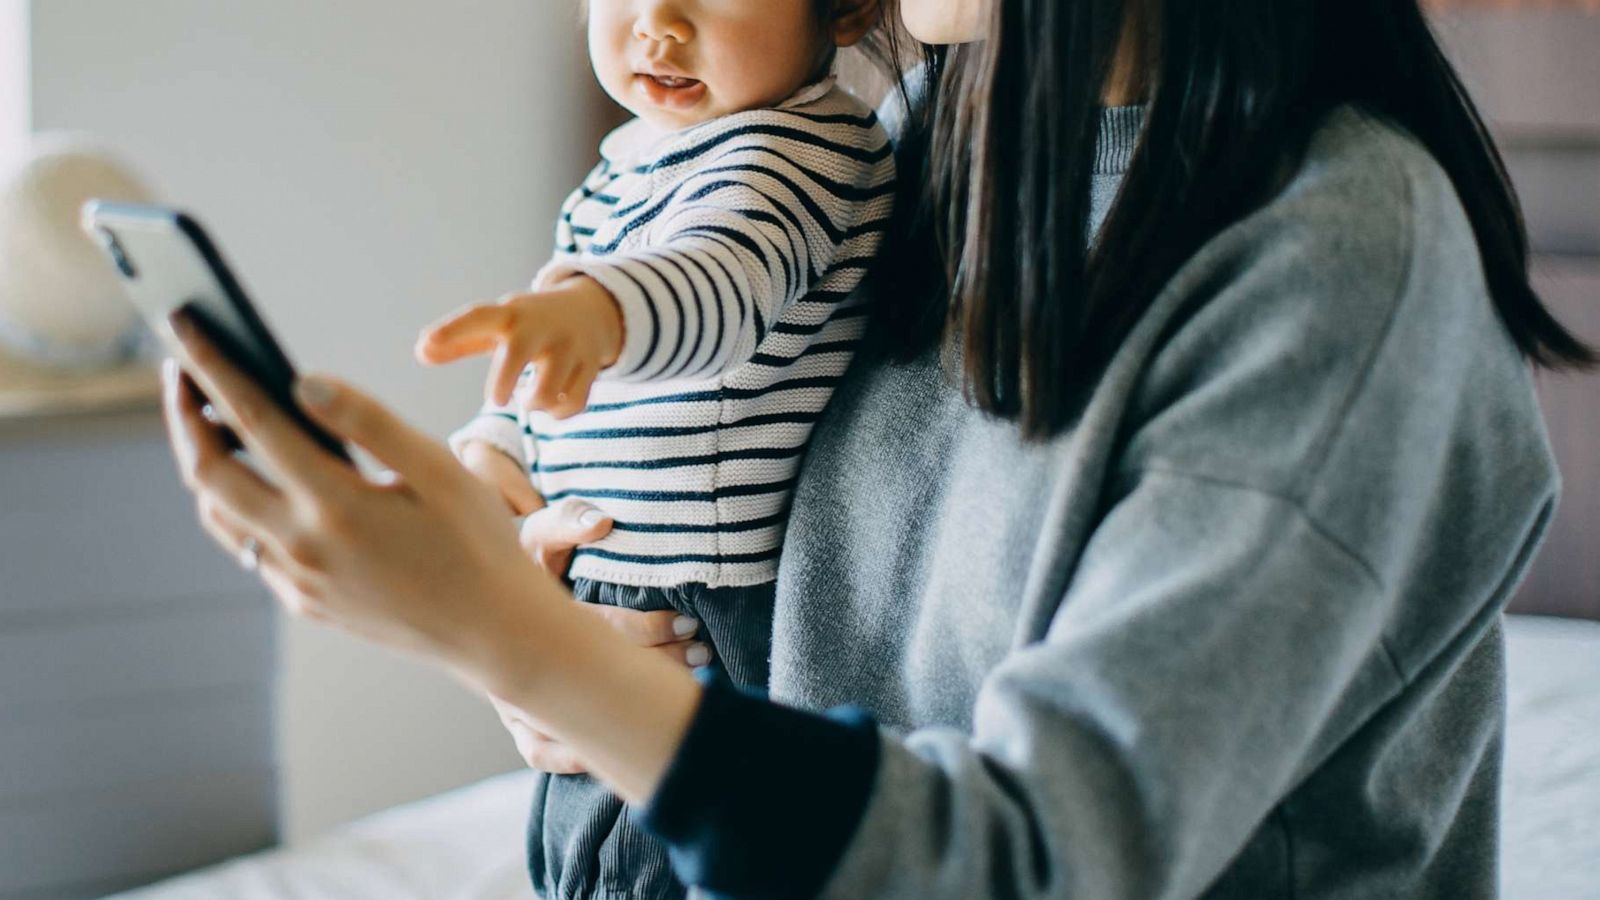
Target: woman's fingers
x=544 y=754
x=647 y=629
x=225 y=529
x=266 y=430
x=346 y=412
x=537 y=749
x=229 y=491
x=551 y=534
x=693 y=654
x=567 y=524
x=469 y=332
x=191 y=430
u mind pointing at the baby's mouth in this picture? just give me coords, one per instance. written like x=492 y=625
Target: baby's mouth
x=672 y=82
x=671 y=91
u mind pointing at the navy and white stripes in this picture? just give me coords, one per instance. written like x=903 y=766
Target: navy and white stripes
x=734 y=249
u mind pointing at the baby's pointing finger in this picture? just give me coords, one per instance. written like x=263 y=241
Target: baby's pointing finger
x=463 y=333
x=431 y=353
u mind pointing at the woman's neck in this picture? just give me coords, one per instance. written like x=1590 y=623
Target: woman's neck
x=1129 y=82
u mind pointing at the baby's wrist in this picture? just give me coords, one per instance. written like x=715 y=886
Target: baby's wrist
x=597 y=306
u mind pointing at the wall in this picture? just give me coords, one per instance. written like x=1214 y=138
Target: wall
x=13 y=73
x=367 y=165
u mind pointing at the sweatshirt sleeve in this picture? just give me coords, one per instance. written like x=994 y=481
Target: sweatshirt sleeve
x=715 y=807
x=732 y=246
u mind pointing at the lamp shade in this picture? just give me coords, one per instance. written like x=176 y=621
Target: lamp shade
x=60 y=301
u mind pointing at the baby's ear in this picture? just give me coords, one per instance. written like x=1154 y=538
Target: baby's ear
x=854 y=19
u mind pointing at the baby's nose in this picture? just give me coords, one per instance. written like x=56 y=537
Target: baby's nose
x=663 y=21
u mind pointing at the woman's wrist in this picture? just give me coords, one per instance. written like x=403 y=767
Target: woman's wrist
x=623 y=709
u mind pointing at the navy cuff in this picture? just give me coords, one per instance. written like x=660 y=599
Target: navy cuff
x=762 y=799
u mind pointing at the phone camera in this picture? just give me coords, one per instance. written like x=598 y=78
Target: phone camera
x=119 y=256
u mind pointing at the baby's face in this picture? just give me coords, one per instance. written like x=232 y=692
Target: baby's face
x=677 y=63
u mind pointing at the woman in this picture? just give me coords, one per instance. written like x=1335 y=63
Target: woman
x=1164 y=564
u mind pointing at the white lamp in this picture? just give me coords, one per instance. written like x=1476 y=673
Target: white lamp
x=60 y=302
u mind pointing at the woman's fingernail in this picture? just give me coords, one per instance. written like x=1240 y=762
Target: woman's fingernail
x=181 y=324
x=683 y=626
x=591 y=518
x=698 y=655
x=313 y=391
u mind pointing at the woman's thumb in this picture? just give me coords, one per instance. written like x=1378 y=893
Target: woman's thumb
x=584 y=522
x=354 y=416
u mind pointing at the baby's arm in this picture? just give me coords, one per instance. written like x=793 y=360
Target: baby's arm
x=566 y=333
x=763 y=223
x=766 y=220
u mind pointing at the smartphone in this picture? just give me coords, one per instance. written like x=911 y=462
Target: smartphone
x=168 y=263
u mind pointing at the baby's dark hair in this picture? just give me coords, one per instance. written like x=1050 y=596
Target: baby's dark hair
x=877 y=44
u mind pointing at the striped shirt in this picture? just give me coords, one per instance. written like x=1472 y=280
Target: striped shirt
x=733 y=248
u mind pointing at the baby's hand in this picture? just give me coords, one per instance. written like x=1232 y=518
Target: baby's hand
x=568 y=333
x=502 y=473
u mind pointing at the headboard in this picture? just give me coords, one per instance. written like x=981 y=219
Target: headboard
x=1565 y=578
x=1533 y=73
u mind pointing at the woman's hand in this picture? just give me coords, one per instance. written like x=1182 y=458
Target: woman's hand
x=418 y=563
x=549 y=536
x=666 y=632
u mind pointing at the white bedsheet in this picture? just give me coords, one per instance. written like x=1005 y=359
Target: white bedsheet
x=1551 y=839
x=463 y=845
x=467 y=844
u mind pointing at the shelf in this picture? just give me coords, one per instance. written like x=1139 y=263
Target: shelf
x=29 y=391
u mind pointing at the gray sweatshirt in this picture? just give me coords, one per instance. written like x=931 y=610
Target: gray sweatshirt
x=1234 y=634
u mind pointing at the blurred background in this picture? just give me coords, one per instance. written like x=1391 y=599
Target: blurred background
x=366 y=166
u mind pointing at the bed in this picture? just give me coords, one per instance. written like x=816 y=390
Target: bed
x=467 y=844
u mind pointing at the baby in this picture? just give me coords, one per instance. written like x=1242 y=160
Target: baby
x=671 y=359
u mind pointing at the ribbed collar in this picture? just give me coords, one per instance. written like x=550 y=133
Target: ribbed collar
x=1120 y=127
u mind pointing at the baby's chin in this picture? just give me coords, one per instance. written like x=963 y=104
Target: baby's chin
x=670 y=120
x=713 y=105
x=668 y=113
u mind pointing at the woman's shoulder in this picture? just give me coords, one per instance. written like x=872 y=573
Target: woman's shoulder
x=1368 y=198
x=1340 y=349
x=1367 y=231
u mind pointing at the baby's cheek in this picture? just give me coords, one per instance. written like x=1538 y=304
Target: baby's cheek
x=764 y=72
x=608 y=56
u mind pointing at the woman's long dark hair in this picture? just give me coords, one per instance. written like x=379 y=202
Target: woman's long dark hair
x=1235 y=89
